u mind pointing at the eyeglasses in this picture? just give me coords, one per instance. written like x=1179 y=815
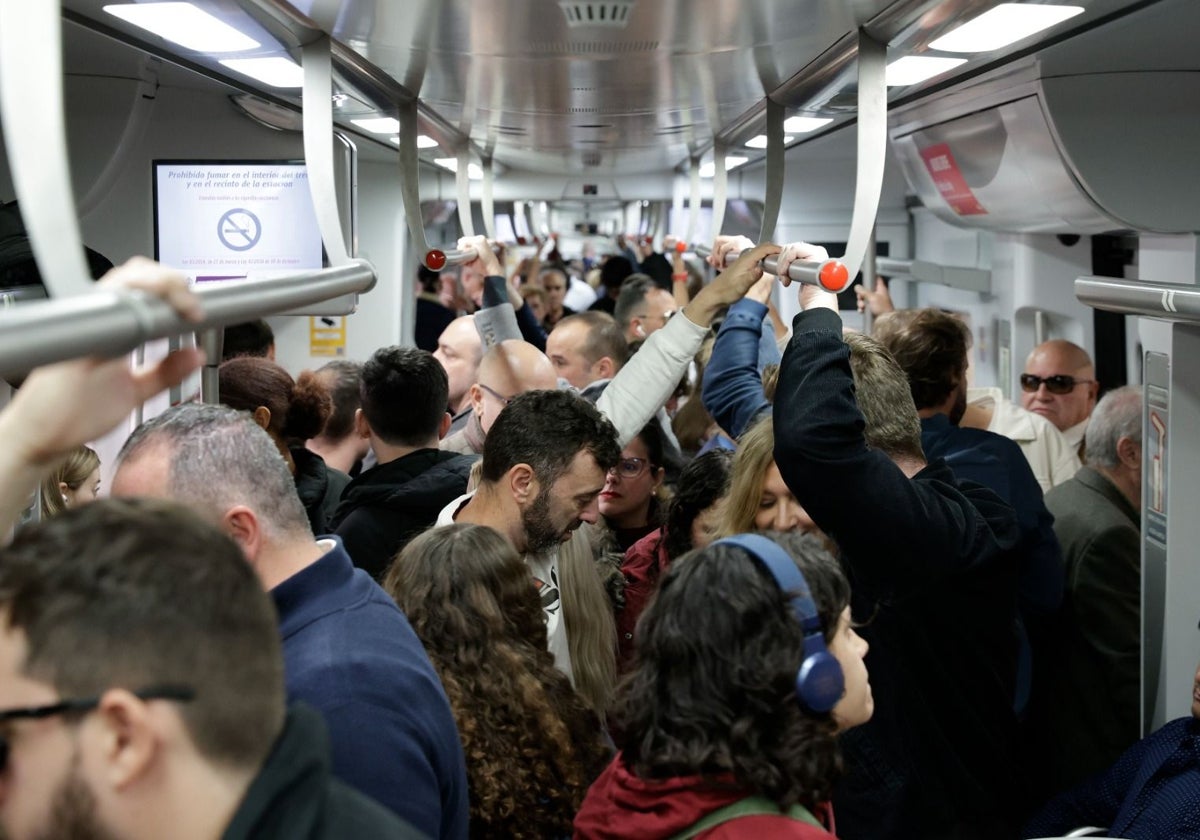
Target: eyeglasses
x=1060 y=383
x=65 y=707
x=666 y=316
x=629 y=467
x=503 y=400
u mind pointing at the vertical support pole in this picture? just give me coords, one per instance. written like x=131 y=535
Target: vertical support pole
x=213 y=344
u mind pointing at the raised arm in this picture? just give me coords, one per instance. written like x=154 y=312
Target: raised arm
x=62 y=406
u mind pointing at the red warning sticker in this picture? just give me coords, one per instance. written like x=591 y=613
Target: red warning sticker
x=949 y=180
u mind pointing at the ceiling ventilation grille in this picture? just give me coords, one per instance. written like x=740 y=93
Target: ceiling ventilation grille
x=614 y=13
x=592 y=158
x=545 y=48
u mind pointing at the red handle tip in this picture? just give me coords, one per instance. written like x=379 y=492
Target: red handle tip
x=680 y=247
x=435 y=260
x=834 y=277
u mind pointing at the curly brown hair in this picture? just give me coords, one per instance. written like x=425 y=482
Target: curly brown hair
x=532 y=746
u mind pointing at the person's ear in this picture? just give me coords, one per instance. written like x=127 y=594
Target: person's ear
x=131 y=737
x=522 y=483
x=1129 y=452
x=605 y=368
x=361 y=427
x=640 y=330
x=262 y=416
x=444 y=425
x=241 y=523
x=476 y=394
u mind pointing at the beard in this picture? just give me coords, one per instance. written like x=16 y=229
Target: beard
x=73 y=812
x=540 y=533
x=960 y=404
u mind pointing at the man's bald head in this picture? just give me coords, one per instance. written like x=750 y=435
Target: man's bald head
x=506 y=370
x=459 y=350
x=1062 y=359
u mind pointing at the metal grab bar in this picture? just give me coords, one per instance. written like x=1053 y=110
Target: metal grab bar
x=957 y=277
x=436 y=258
x=830 y=275
x=109 y=322
x=1133 y=297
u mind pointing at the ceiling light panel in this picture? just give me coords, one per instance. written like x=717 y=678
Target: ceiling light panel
x=275 y=72
x=379 y=125
x=708 y=170
x=1003 y=25
x=760 y=142
x=913 y=69
x=185 y=25
x=803 y=125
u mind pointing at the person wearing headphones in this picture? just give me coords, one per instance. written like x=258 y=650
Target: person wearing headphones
x=747 y=668
x=642 y=307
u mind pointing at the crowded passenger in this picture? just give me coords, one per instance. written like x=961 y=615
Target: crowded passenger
x=929 y=560
x=74 y=482
x=759 y=498
x=612 y=275
x=1092 y=709
x=1151 y=792
x=339 y=444
x=1059 y=383
x=932 y=349
x=348 y=650
x=402 y=415
x=692 y=520
x=432 y=316
x=642 y=307
x=747 y=667
x=142 y=691
x=459 y=351
x=253 y=338
x=586 y=348
x=631 y=501
x=506 y=370
x=534 y=745
x=291 y=411
x=554 y=282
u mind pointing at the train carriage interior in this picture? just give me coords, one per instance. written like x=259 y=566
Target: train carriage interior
x=1043 y=184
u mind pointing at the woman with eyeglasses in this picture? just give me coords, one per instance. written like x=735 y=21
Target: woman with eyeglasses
x=629 y=501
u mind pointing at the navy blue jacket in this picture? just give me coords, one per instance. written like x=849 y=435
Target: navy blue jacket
x=1151 y=793
x=932 y=576
x=350 y=653
x=998 y=464
x=733 y=392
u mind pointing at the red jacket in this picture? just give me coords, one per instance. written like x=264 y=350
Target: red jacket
x=645 y=562
x=621 y=805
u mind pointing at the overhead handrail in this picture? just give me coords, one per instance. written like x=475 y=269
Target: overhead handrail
x=1134 y=297
x=35 y=136
x=108 y=322
x=922 y=271
x=830 y=275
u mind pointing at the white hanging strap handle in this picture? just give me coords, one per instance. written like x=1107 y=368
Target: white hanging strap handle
x=462 y=185
x=318 y=146
x=486 y=202
x=35 y=136
x=830 y=275
x=872 y=148
x=720 y=188
x=694 y=201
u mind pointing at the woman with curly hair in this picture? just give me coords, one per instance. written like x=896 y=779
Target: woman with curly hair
x=291 y=411
x=721 y=741
x=532 y=746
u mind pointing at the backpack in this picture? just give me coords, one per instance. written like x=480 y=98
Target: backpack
x=751 y=806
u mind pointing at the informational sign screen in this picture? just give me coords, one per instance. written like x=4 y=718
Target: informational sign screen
x=227 y=220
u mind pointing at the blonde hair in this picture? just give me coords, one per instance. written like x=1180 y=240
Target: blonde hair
x=591 y=627
x=73 y=471
x=754 y=457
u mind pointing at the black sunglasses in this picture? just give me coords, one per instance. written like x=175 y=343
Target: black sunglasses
x=1060 y=383
x=85 y=704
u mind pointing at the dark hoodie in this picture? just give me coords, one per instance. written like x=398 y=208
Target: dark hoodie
x=622 y=805
x=391 y=503
x=319 y=487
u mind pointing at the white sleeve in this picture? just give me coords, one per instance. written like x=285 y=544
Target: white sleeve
x=648 y=379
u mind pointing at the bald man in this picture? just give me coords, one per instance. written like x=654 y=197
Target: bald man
x=459 y=350
x=506 y=370
x=1059 y=383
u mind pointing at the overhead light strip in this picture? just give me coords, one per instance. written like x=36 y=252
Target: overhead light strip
x=913 y=69
x=1003 y=25
x=185 y=25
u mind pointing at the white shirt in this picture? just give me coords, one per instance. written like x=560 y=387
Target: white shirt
x=579 y=295
x=1074 y=435
x=1050 y=454
x=544 y=568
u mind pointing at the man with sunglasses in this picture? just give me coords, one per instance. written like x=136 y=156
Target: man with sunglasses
x=141 y=691
x=1059 y=383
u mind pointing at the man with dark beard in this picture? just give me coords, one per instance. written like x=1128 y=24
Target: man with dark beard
x=545 y=460
x=932 y=347
x=142 y=696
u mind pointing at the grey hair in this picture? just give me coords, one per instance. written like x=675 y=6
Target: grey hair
x=1117 y=415
x=631 y=297
x=220 y=458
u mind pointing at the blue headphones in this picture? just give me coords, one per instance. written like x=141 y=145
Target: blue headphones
x=819 y=682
